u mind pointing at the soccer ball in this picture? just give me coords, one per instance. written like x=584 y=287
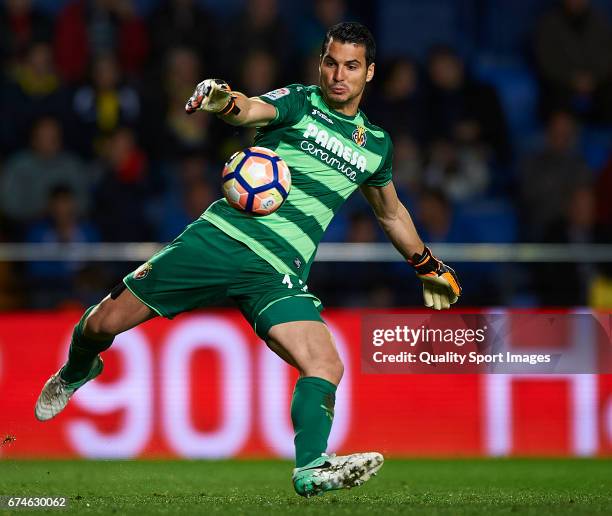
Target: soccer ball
x=256 y=180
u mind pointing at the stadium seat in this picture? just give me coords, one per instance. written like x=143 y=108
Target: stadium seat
x=336 y=231
x=491 y=220
x=455 y=26
x=596 y=146
x=507 y=25
x=518 y=93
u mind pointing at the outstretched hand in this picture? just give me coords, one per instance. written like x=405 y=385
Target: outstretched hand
x=440 y=283
x=211 y=95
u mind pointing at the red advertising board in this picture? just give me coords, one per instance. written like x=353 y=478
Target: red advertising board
x=203 y=385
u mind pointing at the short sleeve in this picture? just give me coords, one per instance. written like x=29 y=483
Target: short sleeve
x=383 y=176
x=289 y=102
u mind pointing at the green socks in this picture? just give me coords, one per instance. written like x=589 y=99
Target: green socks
x=312 y=414
x=82 y=352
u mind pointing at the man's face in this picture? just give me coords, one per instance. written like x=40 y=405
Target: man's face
x=343 y=72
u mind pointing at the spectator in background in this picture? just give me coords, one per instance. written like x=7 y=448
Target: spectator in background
x=375 y=290
x=259 y=73
x=310 y=68
x=122 y=196
x=602 y=192
x=11 y=295
x=196 y=198
x=311 y=30
x=87 y=28
x=167 y=131
x=53 y=282
x=103 y=105
x=407 y=165
x=549 y=175
x=337 y=279
x=183 y=23
x=601 y=293
x=436 y=218
x=30 y=175
x=576 y=226
x=21 y=26
x=187 y=196
x=259 y=29
x=362 y=228
x=398 y=105
x=458 y=171
x=572 y=46
x=33 y=89
x=463 y=110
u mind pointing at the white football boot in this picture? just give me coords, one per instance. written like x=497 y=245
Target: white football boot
x=328 y=472
x=57 y=392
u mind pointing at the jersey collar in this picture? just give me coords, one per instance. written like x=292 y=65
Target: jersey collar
x=357 y=118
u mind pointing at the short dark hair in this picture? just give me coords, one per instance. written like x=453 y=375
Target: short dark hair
x=352 y=32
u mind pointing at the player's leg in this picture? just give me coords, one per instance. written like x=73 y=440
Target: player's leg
x=308 y=345
x=186 y=274
x=287 y=317
x=97 y=328
x=94 y=333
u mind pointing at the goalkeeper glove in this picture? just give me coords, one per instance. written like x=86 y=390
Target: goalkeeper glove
x=440 y=283
x=214 y=96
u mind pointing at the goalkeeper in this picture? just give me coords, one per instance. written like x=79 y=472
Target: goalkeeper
x=332 y=150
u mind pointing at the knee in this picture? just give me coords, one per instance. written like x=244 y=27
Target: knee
x=337 y=370
x=308 y=346
x=328 y=366
x=99 y=322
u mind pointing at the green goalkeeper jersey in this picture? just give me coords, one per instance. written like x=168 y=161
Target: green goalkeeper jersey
x=329 y=155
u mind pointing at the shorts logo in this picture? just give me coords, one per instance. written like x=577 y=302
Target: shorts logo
x=277 y=94
x=328 y=405
x=142 y=271
x=359 y=136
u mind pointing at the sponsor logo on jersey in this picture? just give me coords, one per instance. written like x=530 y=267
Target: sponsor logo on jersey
x=328 y=158
x=320 y=114
x=143 y=271
x=359 y=136
x=277 y=94
x=335 y=147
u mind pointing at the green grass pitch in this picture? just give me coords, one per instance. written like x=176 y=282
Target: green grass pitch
x=440 y=487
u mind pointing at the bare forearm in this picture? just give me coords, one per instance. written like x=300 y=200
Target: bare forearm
x=246 y=115
x=440 y=284
x=401 y=232
x=237 y=117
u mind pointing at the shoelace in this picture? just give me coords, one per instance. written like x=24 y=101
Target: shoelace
x=58 y=384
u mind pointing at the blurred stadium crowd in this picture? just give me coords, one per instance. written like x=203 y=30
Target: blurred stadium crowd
x=500 y=112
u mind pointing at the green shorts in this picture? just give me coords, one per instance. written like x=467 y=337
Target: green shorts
x=203 y=265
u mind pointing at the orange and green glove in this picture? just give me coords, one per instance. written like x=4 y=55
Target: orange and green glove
x=440 y=283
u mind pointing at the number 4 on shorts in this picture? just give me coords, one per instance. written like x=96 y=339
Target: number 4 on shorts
x=287 y=281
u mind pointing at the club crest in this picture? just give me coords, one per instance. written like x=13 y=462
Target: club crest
x=359 y=135
x=142 y=271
